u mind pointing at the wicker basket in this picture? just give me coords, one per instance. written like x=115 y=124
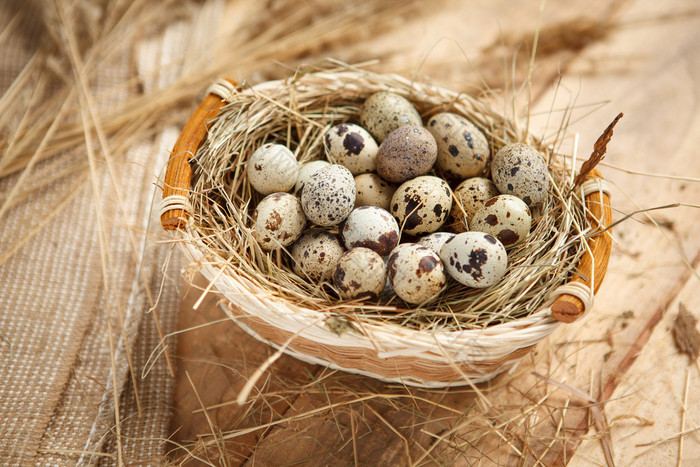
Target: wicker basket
x=384 y=351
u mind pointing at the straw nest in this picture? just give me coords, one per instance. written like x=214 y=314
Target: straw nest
x=266 y=296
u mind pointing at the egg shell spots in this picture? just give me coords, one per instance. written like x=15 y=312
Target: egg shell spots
x=416 y=273
x=272 y=168
x=278 y=221
x=469 y=197
x=506 y=217
x=435 y=241
x=408 y=151
x=519 y=169
x=383 y=112
x=361 y=272
x=353 y=147
x=328 y=196
x=422 y=205
x=475 y=259
x=373 y=190
x=463 y=150
x=316 y=254
x=306 y=170
x=371 y=227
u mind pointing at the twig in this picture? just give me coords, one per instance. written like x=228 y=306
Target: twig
x=599 y=149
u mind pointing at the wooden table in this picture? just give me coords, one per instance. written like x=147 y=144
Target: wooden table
x=640 y=57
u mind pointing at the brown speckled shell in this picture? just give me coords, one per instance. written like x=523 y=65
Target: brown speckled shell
x=352 y=146
x=519 y=169
x=371 y=227
x=506 y=217
x=272 y=168
x=373 y=190
x=472 y=193
x=422 y=205
x=435 y=240
x=383 y=112
x=475 y=259
x=408 y=151
x=463 y=150
x=415 y=272
x=328 y=195
x=316 y=254
x=278 y=221
x=361 y=272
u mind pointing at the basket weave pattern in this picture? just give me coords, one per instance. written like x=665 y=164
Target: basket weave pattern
x=382 y=350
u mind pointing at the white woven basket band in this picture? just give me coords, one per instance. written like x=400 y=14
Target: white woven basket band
x=595 y=185
x=175 y=202
x=578 y=290
x=223 y=89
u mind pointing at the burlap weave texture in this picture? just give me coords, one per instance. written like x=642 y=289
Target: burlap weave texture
x=66 y=289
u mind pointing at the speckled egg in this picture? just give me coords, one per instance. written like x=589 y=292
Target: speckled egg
x=435 y=240
x=469 y=197
x=408 y=151
x=352 y=146
x=384 y=112
x=361 y=272
x=519 y=169
x=416 y=273
x=463 y=150
x=506 y=217
x=371 y=227
x=475 y=259
x=373 y=190
x=272 y=168
x=316 y=254
x=329 y=195
x=278 y=221
x=421 y=205
x=306 y=170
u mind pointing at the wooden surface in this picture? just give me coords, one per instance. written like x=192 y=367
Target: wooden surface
x=612 y=378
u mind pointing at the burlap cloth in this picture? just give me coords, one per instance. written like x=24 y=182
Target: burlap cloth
x=58 y=376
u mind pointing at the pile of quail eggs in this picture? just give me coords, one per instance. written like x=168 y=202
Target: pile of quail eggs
x=376 y=218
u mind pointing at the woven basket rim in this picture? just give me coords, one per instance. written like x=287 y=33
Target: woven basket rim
x=389 y=341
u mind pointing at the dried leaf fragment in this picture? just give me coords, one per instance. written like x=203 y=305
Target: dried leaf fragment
x=685 y=333
x=599 y=149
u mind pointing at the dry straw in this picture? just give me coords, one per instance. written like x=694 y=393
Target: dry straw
x=463 y=337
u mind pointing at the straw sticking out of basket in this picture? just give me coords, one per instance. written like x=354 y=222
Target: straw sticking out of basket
x=465 y=337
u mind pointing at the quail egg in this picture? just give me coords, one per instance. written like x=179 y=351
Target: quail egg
x=406 y=152
x=278 y=221
x=435 y=240
x=329 y=195
x=422 y=205
x=416 y=273
x=519 y=169
x=373 y=190
x=272 y=168
x=306 y=170
x=361 y=272
x=506 y=217
x=316 y=254
x=469 y=197
x=463 y=150
x=475 y=259
x=384 y=112
x=352 y=146
x=371 y=227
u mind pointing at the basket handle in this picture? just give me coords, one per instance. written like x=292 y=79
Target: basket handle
x=178 y=172
x=568 y=308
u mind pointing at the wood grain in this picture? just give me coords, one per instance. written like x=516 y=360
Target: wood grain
x=593 y=266
x=179 y=172
x=643 y=59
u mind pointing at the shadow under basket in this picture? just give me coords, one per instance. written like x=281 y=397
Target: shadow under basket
x=196 y=188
